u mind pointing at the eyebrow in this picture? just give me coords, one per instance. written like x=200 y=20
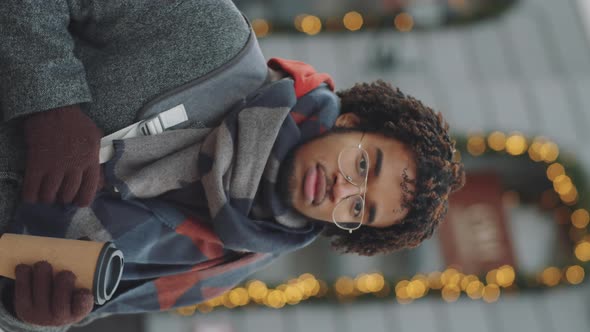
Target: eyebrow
x=378 y=162
x=372 y=212
x=377 y=170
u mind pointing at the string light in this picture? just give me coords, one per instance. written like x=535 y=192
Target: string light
x=353 y=21
x=261 y=27
x=404 y=22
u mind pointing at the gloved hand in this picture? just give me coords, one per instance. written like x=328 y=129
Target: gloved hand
x=62 y=157
x=43 y=299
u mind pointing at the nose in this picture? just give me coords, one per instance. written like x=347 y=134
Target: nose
x=343 y=189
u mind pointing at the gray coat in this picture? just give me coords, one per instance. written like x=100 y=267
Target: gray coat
x=109 y=56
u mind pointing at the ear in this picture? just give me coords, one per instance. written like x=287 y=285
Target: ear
x=347 y=120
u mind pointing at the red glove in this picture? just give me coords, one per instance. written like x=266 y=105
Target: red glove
x=62 y=158
x=43 y=299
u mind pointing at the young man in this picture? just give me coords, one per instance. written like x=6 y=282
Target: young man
x=372 y=169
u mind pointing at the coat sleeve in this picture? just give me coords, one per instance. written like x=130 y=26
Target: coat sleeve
x=37 y=63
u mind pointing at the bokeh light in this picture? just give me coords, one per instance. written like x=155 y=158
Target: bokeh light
x=353 y=21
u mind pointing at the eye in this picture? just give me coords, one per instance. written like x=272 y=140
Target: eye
x=357 y=206
x=362 y=165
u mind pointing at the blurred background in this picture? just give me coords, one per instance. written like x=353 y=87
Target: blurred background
x=512 y=77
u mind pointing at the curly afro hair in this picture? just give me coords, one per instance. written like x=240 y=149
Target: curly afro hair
x=387 y=111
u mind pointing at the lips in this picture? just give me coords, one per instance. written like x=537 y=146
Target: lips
x=314 y=185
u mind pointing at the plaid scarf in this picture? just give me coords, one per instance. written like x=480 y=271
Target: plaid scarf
x=197 y=210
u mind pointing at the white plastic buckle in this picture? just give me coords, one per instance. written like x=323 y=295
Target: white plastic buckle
x=151 y=126
x=163 y=121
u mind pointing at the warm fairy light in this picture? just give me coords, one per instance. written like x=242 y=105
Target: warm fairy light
x=227 y=302
x=297 y=21
x=555 y=170
x=562 y=184
x=450 y=293
x=404 y=22
x=476 y=145
x=549 y=152
x=186 y=311
x=293 y=294
x=239 y=296
x=574 y=274
x=344 y=286
x=580 y=218
x=276 y=299
x=450 y=276
x=204 y=308
x=491 y=293
x=375 y=282
x=353 y=21
x=551 y=276
x=261 y=27
x=467 y=280
x=475 y=289
x=416 y=289
x=311 y=25
x=257 y=290
x=505 y=276
x=582 y=251
x=401 y=291
x=497 y=141
x=491 y=277
x=535 y=151
x=434 y=280
x=360 y=282
x=516 y=144
x=570 y=197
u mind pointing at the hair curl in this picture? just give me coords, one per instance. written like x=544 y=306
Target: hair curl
x=387 y=111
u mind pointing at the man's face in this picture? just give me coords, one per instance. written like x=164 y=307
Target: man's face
x=316 y=184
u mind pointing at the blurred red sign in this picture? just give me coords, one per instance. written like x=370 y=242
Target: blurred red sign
x=474 y=237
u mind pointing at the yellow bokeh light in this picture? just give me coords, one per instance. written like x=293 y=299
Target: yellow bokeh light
x=491 y=293
x=276 y=299
x=297 y=21
x=416 y=289
x=257 y=290
x=582 y=251
x=535 y=151
x=580 y=218
x=204 y=308
x=344 y=286
x=450 y=293
x=475 y=289
x=404 y=22
x=575 y=274
x=551 y=276
x=562 y=184
x=505 y=276
x=571 y=197
x=293 y=294
x=434 y=280
x=497 y=141
x=555 y=170
x=491 y=277
x=375 y=282
x=186 y=311
x=449 y=276
x=311 y=25
x=476 y=145
x=261 y=27
x=549 y=152
x=239 y=296
x=353 y=21
x=516 y=144
x=467 y=280
x=360 y=283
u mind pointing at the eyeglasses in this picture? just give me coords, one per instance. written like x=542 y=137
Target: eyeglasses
x=353 y=163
